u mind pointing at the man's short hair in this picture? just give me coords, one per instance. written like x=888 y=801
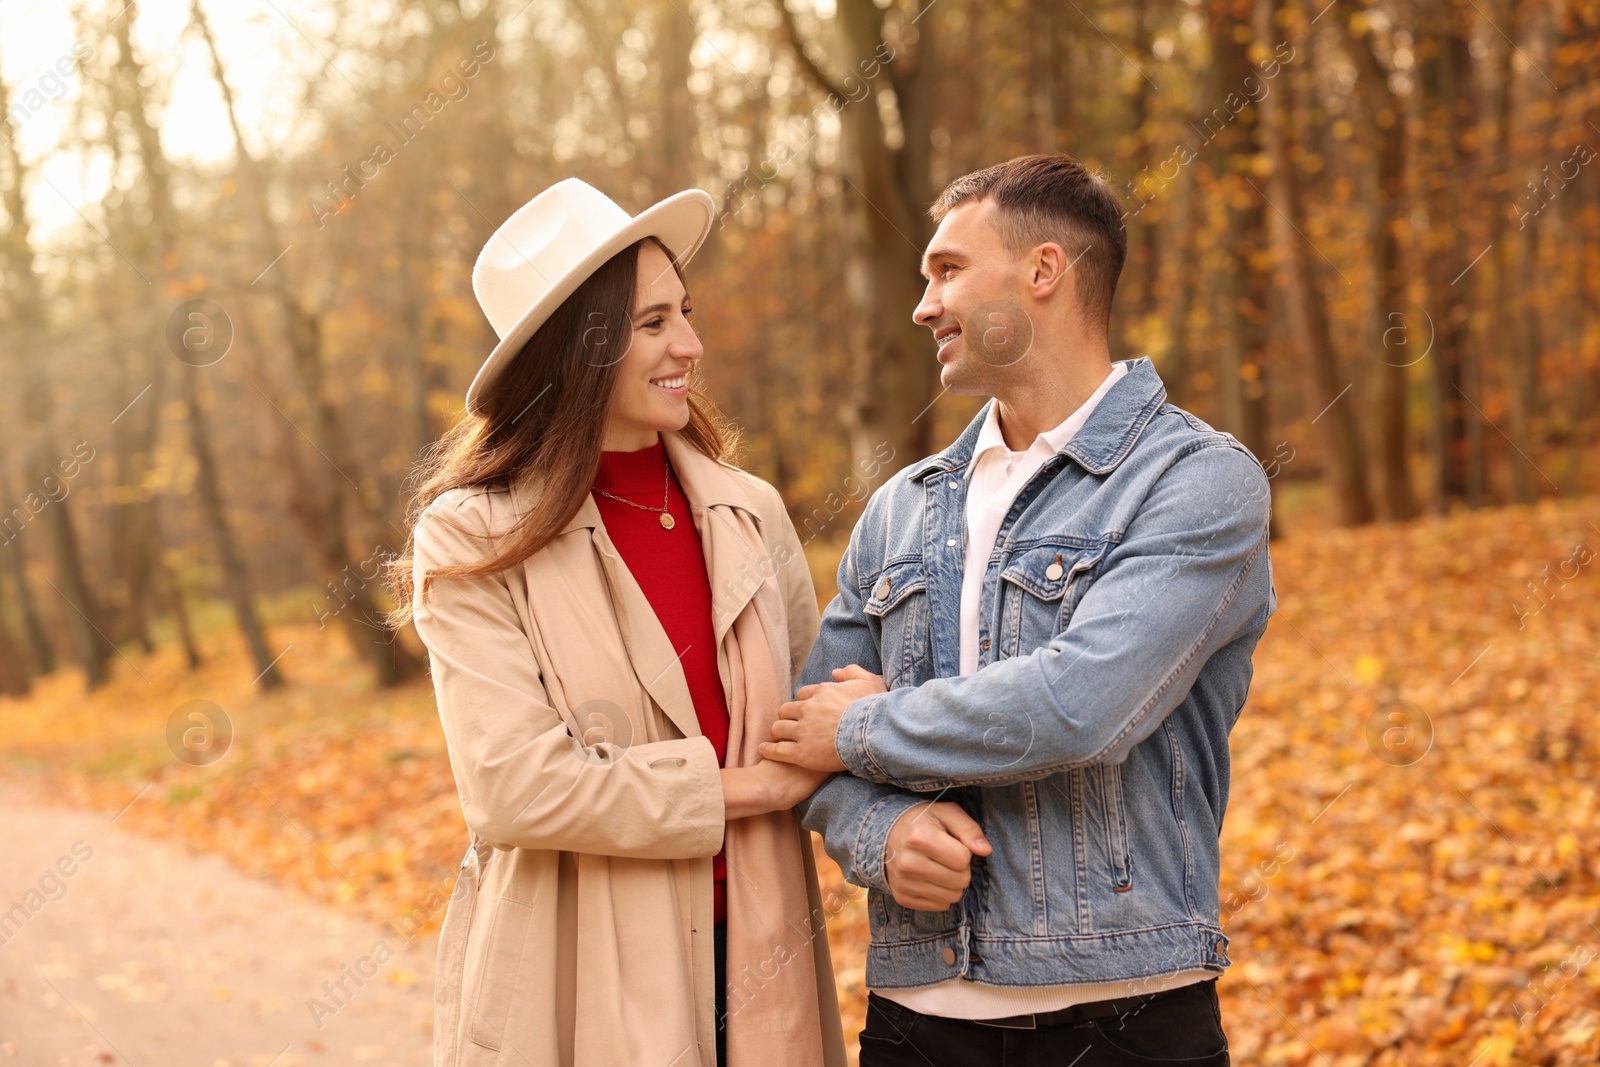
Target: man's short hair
x=1053 y=198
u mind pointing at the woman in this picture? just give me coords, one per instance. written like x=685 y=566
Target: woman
x=613 y=614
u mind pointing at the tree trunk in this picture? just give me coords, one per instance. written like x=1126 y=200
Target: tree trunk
x=44 y=654
x=1386 y=116
x=133 y=104
x=25 y=303
x=167 y=587
x=134 y=438
x=235 y=572
x=14 y=678
x=888 y=190
x=1524 y=370
x=1448 y=117
x=83 y=616
x=321 y=509
x=1307 y=314
x=1244 y=290
x=1242 y=285
x=1143 y=264
x=1175 y=365
x=677 y=126
x=413 y=281
x=1046 y=72
x=1518 y=296
x=133 y=548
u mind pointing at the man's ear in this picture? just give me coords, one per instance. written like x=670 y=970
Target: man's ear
x=1049 y=268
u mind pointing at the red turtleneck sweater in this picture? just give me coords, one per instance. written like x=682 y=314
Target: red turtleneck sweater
x=670 y=569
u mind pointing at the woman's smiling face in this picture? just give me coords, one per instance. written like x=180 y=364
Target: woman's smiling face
x=652 y=388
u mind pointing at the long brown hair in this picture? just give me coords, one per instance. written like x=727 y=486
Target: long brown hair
x=544 y=418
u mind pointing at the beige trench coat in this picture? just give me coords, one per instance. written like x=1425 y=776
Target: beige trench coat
x=580 y=929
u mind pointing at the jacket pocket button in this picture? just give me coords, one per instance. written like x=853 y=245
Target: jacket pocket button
x=949 y=956
x=1053 y=571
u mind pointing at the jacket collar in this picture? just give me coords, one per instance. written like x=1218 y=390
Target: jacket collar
x=1105 y=439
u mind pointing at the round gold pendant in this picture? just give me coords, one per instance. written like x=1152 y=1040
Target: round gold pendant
x=666 y=521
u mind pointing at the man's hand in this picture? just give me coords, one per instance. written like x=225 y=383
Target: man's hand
x=806 y=726
x=929 y=855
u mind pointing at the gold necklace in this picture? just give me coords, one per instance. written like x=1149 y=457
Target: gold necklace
x=667 y=522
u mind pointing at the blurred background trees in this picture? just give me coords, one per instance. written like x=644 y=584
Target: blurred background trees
x=1362 y=237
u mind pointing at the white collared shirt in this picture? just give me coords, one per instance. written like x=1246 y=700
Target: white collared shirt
x=997 y=476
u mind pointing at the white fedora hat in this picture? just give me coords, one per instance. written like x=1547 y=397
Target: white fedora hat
x=550 y=245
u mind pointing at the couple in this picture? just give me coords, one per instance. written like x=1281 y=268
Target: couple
x=1012 y=728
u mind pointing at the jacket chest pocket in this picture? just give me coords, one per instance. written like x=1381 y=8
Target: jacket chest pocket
x=897 y=598
x=1039 y=587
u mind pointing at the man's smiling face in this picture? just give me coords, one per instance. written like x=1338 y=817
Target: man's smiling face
x=976 y=300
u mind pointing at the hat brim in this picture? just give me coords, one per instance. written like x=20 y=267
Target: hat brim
x=682 y=222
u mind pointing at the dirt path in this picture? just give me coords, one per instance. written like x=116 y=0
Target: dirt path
x=119 y=949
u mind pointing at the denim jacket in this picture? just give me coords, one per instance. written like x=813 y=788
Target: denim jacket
x=1122 y=600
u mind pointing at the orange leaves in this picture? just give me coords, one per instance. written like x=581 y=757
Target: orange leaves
x=1388 y=906
x=343 y=792
x=1433 y=891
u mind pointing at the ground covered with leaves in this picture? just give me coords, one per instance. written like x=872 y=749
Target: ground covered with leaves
x=1409 y=871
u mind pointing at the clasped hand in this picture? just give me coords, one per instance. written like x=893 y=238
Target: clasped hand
x=930 y=849
x=806 y=726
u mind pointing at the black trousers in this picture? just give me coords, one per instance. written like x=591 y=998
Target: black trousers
x=1179 y=1028
x=719 y=941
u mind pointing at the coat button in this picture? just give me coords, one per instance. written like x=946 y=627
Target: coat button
x=954 y=485
x=949 y=956
x=950 y=543
x=882 y=590
x=1053 y=571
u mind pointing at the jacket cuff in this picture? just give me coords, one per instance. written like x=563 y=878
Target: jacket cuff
x=850 y=741
x=872 y=842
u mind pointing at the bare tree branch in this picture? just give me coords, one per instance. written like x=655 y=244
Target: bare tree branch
x=816 y=73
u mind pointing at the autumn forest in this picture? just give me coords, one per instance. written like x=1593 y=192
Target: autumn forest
x=1363 y=237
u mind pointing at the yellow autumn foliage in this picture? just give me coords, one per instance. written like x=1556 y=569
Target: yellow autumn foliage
x=1416 y=768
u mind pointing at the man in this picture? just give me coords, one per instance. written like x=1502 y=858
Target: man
x=1043 y=637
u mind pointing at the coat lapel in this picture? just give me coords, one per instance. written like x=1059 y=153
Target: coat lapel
x=735 y=565
x=649 y=649
x=724 y=519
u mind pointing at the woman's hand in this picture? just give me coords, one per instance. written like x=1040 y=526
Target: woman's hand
x=768 y=786
x=792 y=784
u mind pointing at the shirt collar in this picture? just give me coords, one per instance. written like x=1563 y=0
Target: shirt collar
x=989 y=435
x=1055 y=438
x=1105 y=440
